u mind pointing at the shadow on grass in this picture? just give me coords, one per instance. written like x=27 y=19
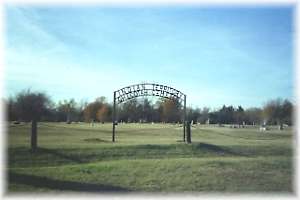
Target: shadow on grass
x=59 y=154
x=44 y=182
x=159 y=148
x=21 y=157
x=96 y=140
x=217 y=149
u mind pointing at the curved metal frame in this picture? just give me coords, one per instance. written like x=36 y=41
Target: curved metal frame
x=148 y=89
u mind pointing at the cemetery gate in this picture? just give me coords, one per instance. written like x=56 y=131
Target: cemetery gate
x=148 y=89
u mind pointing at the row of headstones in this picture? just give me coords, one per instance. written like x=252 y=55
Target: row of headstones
x=264 y=127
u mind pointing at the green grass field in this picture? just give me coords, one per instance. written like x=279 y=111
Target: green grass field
x=149 y=158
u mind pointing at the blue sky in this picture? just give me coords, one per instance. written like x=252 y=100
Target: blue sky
x=215 y=55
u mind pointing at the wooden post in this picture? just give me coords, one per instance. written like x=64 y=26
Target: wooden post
x=33 y=135
x=114 y=118
x=184 y=118
x=188 y=132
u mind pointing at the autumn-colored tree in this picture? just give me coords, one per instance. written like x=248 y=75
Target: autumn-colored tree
x=90 y=111
x=170 y=111
x=102 y=113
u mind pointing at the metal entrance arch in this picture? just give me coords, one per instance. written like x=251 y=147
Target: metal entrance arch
x=148 y=89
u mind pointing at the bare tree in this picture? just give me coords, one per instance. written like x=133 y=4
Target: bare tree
x=253 y=116
x=31 y=107
x=278 y=111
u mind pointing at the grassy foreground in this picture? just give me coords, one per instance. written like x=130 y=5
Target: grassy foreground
x=149 y=158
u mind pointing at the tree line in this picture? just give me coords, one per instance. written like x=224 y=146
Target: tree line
x=27 y=106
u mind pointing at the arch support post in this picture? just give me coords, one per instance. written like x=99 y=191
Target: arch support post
x=114 y=118
x=184 y=118
x=34 y=135
x=188 y=132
